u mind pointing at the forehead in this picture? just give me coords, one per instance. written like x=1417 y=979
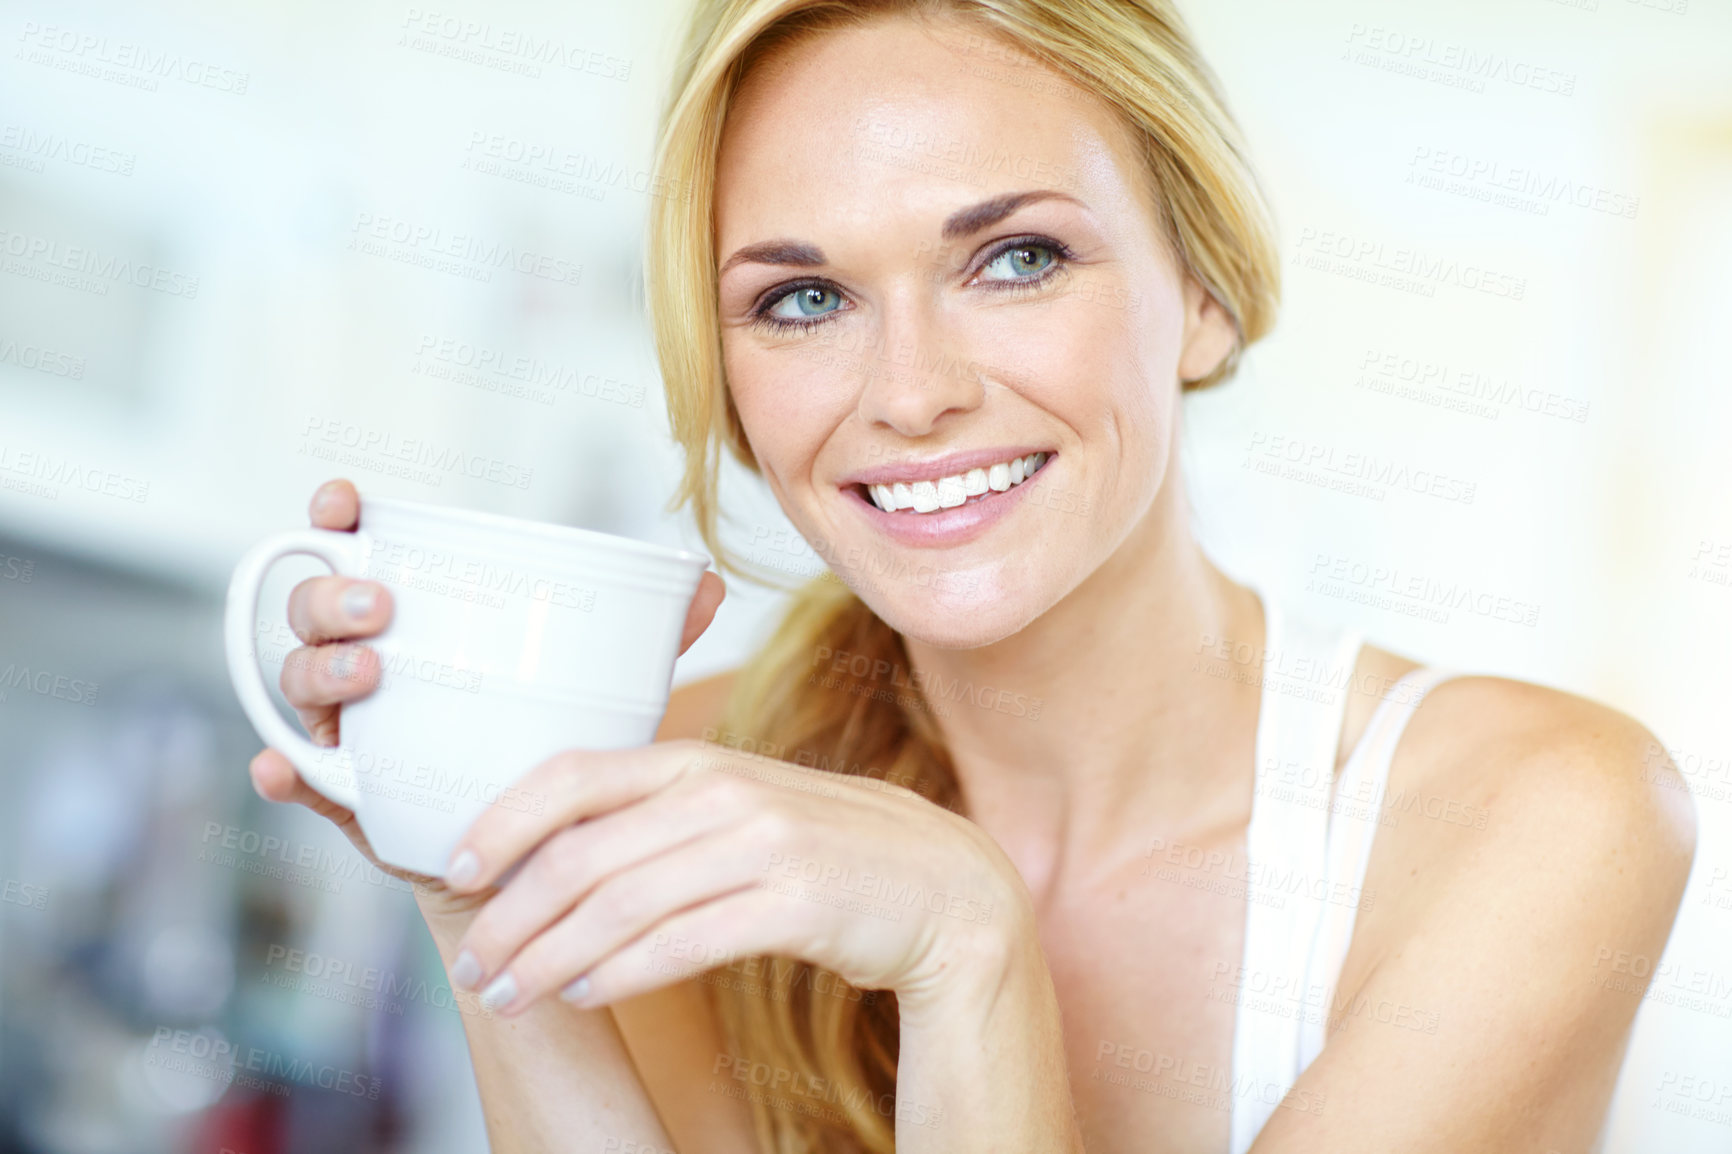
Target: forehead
x=909 y=114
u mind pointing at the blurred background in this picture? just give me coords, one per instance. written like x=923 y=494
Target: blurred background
x=247 y=248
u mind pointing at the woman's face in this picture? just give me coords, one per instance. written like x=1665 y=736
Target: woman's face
x=941 y=264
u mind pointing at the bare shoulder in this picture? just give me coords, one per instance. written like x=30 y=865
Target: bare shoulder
x=1527 y=840
x=672 y=1033
x=1543 y=757
x=696 y=706
x=1509 y=796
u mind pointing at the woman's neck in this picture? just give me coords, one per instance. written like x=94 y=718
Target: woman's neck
x=1114 y=731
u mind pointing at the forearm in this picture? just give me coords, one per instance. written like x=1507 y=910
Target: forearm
x=553 y=1078
x=982 y=1065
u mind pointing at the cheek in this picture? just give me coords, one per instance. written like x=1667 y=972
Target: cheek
x=781 y=398
x=1104 y=370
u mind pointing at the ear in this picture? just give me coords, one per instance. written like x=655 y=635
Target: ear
x=1209 y=333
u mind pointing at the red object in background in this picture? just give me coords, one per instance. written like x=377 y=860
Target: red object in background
x=252 y=1124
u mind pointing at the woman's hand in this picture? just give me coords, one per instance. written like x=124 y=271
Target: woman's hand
x=328 y=614
x=650 y=865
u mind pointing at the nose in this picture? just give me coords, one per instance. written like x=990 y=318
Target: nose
x=921 y=373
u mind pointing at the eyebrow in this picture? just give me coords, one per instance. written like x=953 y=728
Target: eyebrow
x=963 y=222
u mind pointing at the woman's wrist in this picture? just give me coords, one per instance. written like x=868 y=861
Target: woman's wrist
x=446 y=921
x=988 y=1034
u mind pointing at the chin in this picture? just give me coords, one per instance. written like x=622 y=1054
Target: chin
x=951 y=610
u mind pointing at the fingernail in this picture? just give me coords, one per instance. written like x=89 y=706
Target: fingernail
x=503 y=989
x=463 y=868
x=465 y=971
x=341 y=666
x=576 y=991
x=358 y=600
x=323 y=498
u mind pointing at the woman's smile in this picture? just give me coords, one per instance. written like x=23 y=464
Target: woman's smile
x=946 y=500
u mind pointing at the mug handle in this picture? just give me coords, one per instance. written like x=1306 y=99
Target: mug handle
x=326 y=768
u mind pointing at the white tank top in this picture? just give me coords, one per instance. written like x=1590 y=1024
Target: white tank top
x=1307 y=847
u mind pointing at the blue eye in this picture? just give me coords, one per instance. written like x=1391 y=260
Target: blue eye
x=1021 y=261
x=808 y=301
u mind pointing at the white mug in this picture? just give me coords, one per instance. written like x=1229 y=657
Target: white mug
x=509 y=641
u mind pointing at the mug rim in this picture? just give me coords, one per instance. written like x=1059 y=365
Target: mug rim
x=569 y=534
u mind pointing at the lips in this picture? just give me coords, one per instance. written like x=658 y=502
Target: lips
x=928 y=495
x=918 y=484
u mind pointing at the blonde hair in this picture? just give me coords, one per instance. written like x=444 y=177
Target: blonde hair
x=839 y=1052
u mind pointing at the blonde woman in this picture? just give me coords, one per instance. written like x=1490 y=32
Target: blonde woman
x=1030 y=831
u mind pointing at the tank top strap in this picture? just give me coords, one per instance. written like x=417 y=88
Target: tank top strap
x=1306 y=672
x=1357 y=810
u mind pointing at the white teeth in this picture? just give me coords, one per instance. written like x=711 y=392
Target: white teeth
x=949 y=492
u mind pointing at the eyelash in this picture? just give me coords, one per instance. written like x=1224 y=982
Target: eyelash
x=762 y=317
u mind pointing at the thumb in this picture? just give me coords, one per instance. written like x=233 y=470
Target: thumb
x=705 y=602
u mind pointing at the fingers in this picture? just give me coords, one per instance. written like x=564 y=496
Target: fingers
x=275 y=779
x=572 y=863
x=569 y=787
x=624 y=907
x=335 y=505
x=328 y=674
x=705 y=602
x=685 y=945
x=335 y=608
